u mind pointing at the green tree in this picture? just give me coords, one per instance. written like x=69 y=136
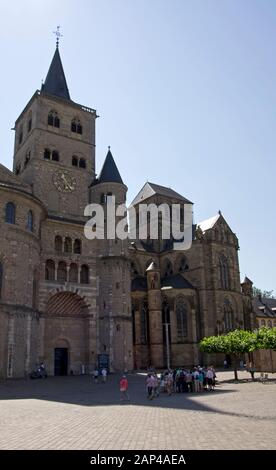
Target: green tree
x=263 y=293
x=235 y=343
x=266 y=338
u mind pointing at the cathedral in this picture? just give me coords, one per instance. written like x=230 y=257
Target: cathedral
x=77 y=304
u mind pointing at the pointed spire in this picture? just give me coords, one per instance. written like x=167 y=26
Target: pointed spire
x=110 y=172
x=55 y=83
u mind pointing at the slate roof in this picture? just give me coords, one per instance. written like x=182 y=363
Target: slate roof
x=55 y=83
x=152 y=189
x=9 y=179
x=176 y=281
x=209 y=223
x=110 y=172
x=139 y=284
x=264 y=307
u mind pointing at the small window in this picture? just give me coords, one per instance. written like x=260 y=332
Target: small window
x=30 y=221
x=103 y=198
x=47 y=154
x=68 y=245
x=76 y=126
x=84 y=275
x=56 y=121
x=20 y=137
x=77 y=247
x=53 y=119
x=27 y=159
x=17 y=169
x=55 y=156
x=82 y=163
x=117 y=285
x=50 y=119
x=10 y=213
x=62 y=272
x=58 y=244
x=29 y=124
x=75 y=160
x=73 y=273
x=50 y=270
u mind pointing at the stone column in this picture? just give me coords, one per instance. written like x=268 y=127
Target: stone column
x=10 y=346
x=155 y=316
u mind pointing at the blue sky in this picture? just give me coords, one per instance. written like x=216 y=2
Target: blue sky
x=186 y=95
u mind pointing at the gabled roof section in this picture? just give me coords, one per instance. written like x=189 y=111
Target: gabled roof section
x=110 y=172
x=209 y=223
x=55 y=83
x=9 y=179
x=176 y=281
x=152 y=189
x=264 y=307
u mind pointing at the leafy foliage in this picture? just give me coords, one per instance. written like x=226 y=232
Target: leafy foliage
x=263 y=293
x=236 y=342
x=266 y=338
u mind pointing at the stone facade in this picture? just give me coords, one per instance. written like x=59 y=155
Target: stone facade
x=69 y=301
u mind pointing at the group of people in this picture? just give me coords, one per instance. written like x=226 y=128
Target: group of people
x=102 y=373
x=180 y=380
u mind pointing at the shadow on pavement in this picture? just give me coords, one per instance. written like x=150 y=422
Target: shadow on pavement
x=82 y=391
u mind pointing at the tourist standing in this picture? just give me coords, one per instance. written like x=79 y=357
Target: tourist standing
x=124 y=388
x=104 y=375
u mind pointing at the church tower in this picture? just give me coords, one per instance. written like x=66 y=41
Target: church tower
x=54 y=148
x=114 y=302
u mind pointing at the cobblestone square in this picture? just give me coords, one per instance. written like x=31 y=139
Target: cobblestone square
x=76 y=413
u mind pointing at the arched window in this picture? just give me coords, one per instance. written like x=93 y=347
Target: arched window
x=50 y=270
x=27 y=158
x=10 y=213
x=134 y=270
x=181 y=318
x=55 y=156
x=68 y=245
x=262 y=322
x=73 y=273
x=183 y=265
x=224 y=273
x=58 y=244
x=53 y=119
x=269 y=324
x=144 y=323
x=76 y=126
x=84 y=274
x=168 y=269
x=30 y=122
x=228 y=316
x=62 y=272
x=82 y=163
x=1 y=279
x=30 y=221
x=274 y=323
x=75 y=160
x=77 y=247
x=47 y=154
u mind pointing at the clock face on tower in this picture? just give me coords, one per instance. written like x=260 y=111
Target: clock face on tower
x=64 y=181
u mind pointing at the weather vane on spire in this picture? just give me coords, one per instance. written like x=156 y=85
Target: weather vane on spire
x=58 y=35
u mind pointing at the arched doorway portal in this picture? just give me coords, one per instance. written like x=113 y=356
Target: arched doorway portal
x=66 y=334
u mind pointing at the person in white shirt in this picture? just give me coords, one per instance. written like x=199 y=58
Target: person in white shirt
x=104 y=375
